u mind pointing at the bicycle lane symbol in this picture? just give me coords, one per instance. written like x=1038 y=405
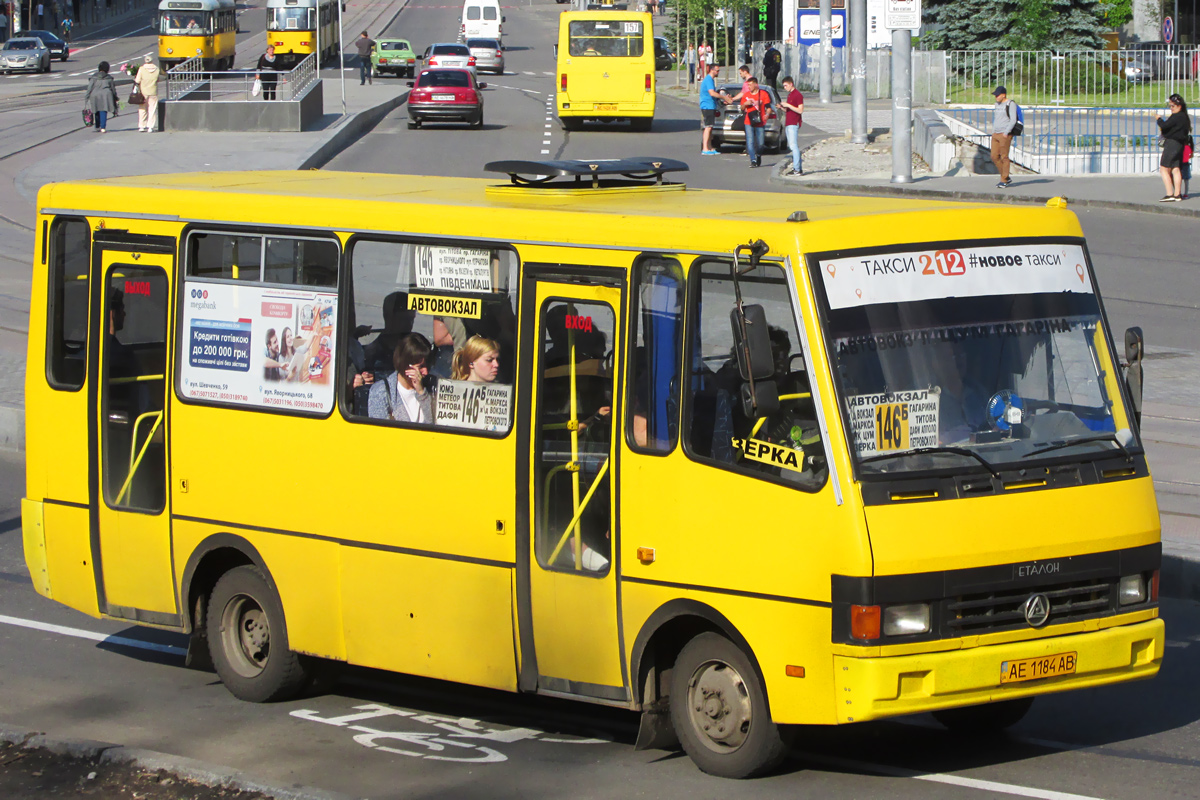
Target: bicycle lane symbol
x=462 y=733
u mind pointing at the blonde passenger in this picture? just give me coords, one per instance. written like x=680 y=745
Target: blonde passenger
x=478 y=361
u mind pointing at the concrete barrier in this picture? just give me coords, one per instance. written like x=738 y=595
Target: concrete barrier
x=196 y=112
x=933 y=141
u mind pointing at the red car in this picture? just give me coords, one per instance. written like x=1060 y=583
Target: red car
x=446 y=94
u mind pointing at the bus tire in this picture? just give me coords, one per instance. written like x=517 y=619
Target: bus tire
x=248 y=639
x=984 y=720
x=719 y=710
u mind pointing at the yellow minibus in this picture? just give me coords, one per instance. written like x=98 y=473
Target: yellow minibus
x=297 y=28
x=605 y=68
x=736 y=461
x=206 y=29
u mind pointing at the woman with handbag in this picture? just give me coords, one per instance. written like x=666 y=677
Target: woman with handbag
x=146 y=84
x=1175 y=131
x=101 y=97
x=268 y=73
x=757 y=105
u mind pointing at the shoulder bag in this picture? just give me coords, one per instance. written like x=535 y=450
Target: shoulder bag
x=136 y=98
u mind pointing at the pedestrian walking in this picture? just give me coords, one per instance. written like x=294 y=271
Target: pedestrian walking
x=268 y=72
x=690 y=58
x=67 y=25
x=101 y=97
x=710 y=101
x=756 y=103
x=703 y=57
x=1176 y=131
x=41 y=16
x=147 y=80
x=1003 y=122
x=364 y=44
x=3 y=25
x=771 y=64
x=794 y=103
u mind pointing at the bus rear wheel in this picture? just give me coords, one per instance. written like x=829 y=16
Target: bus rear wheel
x=248 y=639
x=719 y=710
x=987 y=719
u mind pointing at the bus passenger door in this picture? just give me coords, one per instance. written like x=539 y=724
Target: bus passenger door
x=131 y=529
x=572 y=598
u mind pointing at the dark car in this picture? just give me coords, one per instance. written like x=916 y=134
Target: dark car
x=663 y=57
x=446 y=94
x=57 y=47
x=730 y=125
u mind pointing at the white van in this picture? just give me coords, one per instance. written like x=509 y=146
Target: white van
x=481 y=19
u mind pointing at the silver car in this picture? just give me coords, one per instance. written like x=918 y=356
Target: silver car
x=730 y=125
x=24 y=54
x=489 y=54
x=447 y=54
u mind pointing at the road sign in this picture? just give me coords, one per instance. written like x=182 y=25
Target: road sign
x=901 y=15
x=808 y=25
x=1168 y=29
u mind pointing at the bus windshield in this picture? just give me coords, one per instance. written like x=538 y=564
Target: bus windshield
x=291 y=19
x=185 y=23
x=591 y=37
x=972 y=356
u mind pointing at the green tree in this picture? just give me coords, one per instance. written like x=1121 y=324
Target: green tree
x=1057 y=25
x=967 y=24
x=1116 y=13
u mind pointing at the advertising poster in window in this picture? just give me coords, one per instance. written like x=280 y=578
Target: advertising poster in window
x=258 y=346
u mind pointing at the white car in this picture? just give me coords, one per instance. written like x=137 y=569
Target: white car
x=24 y=54
x=447 y=54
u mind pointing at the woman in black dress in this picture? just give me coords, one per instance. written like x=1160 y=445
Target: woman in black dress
x=268 y=73
x=1175 y=130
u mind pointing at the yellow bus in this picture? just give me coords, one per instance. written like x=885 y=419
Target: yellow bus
x=299 y=27
x=197 y=28
x=605 y=68
x=737 y=461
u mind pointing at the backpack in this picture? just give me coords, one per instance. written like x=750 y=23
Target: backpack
x=1019 y=128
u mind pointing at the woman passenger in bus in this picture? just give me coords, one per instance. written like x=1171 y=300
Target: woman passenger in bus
x=403 y=395
x=478 y=361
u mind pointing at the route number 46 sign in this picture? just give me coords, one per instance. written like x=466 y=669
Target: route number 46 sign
x=901 y=15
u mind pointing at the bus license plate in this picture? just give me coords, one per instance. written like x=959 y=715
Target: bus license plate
x=1032 y=669
x=445 y=97
x=606 y=107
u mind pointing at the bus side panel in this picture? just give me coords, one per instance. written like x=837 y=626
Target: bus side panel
x=779 y=634
x=305 y=572
x=429 y=616
x=69 y=558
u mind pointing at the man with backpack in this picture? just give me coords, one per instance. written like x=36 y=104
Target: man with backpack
x=1005 y=125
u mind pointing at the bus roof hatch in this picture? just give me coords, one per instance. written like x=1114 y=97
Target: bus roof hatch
x=606 y=173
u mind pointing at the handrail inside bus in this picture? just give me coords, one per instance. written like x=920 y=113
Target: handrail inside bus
x=137 y=379
x=136 y=463
x=574 y=523
x=798 y=396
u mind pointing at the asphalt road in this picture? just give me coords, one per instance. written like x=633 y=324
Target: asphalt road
x=71 y=675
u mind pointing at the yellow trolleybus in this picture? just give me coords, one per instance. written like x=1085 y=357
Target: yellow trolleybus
x=197 y=28
x=605 y=68
x=733 y=460
x=299 y=27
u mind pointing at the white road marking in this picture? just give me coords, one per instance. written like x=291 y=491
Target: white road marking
x=545 y=152
x=115 y=38
x=104 y=638
x=952 y=780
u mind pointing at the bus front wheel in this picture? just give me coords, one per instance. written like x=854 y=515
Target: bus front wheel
x=719 y=710
x=248 y=637
x=991 y=718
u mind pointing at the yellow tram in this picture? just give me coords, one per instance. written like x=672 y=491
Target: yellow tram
x=299 y=27
x=204 y=28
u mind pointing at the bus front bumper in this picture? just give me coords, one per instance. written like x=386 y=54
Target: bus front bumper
x=871 y=688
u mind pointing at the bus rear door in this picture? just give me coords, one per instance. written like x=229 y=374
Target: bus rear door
x=569 y=628
x=131 y=530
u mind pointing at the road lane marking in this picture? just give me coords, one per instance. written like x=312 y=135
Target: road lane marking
x=952 y=780
x=103 y=638
x=115 y=38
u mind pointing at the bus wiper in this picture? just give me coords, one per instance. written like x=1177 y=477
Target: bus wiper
x=962 y=451
x=1104 y=437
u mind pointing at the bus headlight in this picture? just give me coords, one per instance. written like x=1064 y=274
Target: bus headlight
x=906 y=620
x=1132 y=589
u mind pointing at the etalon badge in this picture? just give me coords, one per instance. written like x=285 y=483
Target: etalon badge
x=1037 y=610
x=656 y=164
x=593 y=167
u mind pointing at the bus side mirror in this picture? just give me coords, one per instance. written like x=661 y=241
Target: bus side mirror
x=1135 y=349
x=752 y=342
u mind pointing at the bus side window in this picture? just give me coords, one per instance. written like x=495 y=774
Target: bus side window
x=652 y=416
x=66 y=351
x=784 y=446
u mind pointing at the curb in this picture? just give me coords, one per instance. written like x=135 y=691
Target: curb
x=358 y=124
x=907 y=190
x=187 y=768
x=1179 y=577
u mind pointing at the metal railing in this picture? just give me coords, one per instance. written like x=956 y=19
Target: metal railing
x=189 y=82
x=1071 y=141
x=1082 y=78
x=803 y=63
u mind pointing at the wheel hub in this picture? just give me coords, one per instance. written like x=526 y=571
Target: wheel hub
x=719 y=706
x=246 y=635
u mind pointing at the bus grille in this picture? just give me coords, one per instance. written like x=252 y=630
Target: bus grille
x=1002 y=610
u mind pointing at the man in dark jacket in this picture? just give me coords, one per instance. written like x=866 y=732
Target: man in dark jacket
x=364 y=44
x=771 y=63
